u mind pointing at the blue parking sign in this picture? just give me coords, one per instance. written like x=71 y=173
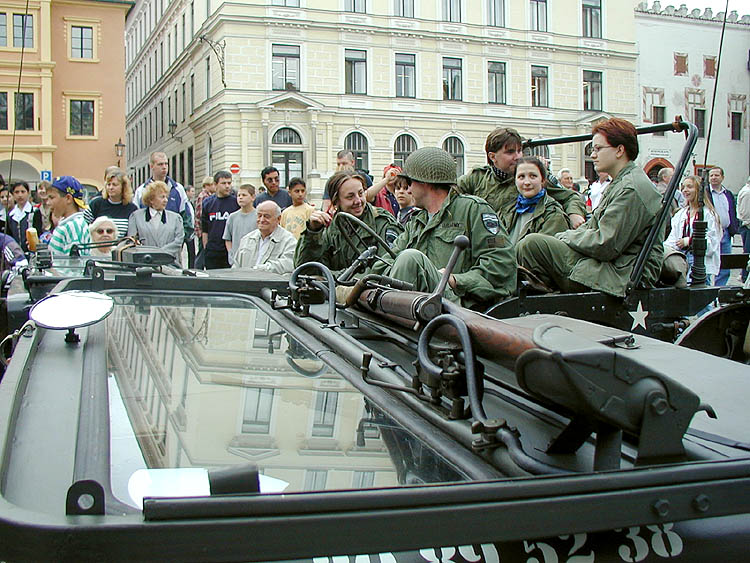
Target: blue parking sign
x=47 y=175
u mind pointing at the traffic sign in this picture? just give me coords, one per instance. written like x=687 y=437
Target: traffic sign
x=235 y=168
x=46 y=175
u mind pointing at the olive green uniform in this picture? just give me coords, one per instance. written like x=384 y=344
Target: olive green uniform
x=483 y=182
x=547 y=218
x=328 y=246
x=601 y=253
x=485 y=272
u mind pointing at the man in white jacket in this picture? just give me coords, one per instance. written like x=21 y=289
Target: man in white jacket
x=270 y=247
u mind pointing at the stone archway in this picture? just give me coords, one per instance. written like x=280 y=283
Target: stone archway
x=20 y=170
x=653 y=166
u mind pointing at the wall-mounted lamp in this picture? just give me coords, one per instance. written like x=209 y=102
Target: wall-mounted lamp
x=172 y=127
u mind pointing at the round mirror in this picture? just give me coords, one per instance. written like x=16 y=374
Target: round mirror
x=71 y=309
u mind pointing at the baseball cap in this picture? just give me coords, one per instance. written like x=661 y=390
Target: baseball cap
x=69 y=185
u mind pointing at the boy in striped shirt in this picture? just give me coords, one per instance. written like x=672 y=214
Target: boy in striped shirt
x=65 y=197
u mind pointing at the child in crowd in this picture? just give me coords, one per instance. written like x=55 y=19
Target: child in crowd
x=294 y=217
x=23 y=215
x=241 y=221
x=65 y=198
x=406 y=207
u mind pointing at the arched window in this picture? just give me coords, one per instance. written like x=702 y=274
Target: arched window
x=357 y=143
x=455 y=147
x=403 y=147
x=286 y=136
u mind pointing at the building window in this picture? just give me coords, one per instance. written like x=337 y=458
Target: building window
x=4 y=111
x=592 y=18
x=285 y=67
x=184 y=100
x=736 y=126
x=208 y=77
x=539 y=86
x=24 y=109
x=325 y=413
x=190 y=169
x=355 y=6
x=658 y=116
x=699 y=119
x=286 y=136
x=23 y=30
x=82 y=42
x=357 y=143
x=363 y=480
x=496 y=82
x=287 y=3
x=452 y=10
x=404 y=8
x=402 y=148
x=315 y=479
x=3 y=30
x=592 y=90
x=651 y=97
x=538 y=14
x=405 y=75
x=455 y=147
x=451 y=78
x=680 y=64
x=355 y=65
x=709 y=67
x=256 y=418
x=82 y=118
x=496 y=13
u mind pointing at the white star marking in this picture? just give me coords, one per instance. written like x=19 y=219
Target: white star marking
x=639 y=317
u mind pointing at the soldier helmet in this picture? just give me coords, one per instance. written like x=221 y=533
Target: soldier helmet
x=430 y=165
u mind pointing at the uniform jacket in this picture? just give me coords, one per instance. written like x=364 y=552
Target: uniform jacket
x=610 y=241
x=547 y=218
x=486 y=271
x=483 y=182
x=168 y=236
x=278 y=256
x=329 y=247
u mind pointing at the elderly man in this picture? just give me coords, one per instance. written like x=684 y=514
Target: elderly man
x=664 y=176
x=270 y=247
x=485 y=271
x=496 y=182
x=602 y=253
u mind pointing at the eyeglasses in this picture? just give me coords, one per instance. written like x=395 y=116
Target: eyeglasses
x=597 y=148
x=102 y=231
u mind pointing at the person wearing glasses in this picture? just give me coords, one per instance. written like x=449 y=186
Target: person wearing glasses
x=601 y=254
x=102 y=230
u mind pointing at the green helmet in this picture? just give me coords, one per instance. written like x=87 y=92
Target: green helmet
x=430 y=165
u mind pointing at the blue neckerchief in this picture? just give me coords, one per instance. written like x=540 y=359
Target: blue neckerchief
x=524 y=204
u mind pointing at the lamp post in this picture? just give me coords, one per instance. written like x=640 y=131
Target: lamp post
x=119 y=150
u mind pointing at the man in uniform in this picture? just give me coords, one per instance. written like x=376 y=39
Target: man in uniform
x=496 y=182
x=602 y=253
x=486 y=271
x=322 y=240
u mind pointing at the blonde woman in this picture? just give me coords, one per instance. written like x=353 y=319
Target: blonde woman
x=154 y=224
x=116 y=201
x=681 y=236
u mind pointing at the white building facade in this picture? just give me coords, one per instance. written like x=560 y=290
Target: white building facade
x=679 y=73
x=291 y=82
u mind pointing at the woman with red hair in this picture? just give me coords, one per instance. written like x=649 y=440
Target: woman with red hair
x=601 y=254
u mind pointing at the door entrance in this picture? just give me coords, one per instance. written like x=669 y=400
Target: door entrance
x=289 y=164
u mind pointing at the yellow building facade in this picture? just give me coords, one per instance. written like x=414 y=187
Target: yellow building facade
x=291 y=82
x=66 y=112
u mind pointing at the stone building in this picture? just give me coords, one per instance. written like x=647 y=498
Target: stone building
x=291 y=82
x=682 y=75
x=66 y=114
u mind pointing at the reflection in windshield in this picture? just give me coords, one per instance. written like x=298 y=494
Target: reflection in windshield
x=221 y=384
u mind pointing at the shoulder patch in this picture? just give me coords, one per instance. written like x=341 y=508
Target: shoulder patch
x=491 y=222
x=390 y=236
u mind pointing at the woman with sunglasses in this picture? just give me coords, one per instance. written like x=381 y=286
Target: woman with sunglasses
x=116 y=201
x=102 y=230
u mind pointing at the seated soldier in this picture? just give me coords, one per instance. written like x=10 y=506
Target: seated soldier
x=533 y=210
x=602 y=253
x=485 y=271
x=322 y=240
x=496 y=181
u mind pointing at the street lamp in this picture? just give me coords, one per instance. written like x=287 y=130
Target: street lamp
x=119 y=150
x=172 y=127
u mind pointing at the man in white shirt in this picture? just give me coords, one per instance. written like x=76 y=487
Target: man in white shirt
x=270 y=247
x=743 y=218
x=596 y=190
